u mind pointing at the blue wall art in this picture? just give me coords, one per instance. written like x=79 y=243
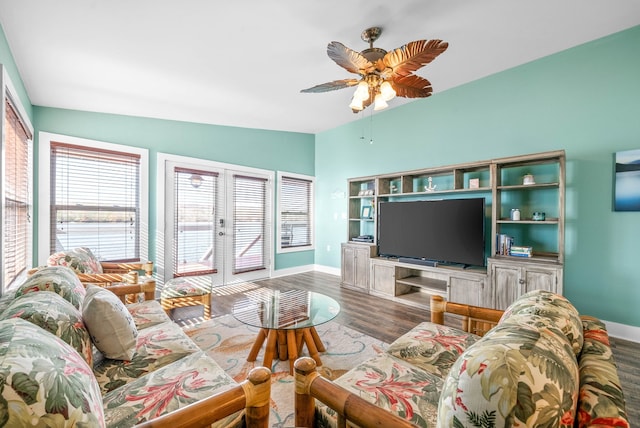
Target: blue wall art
x=627 y=181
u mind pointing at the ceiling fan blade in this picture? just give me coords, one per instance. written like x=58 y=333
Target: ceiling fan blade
x=349 y=59
x=411 y=86
x=412 y=56
x=331 y=86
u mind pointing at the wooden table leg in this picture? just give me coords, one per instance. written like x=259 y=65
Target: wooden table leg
x=262 y=335
x=299 y=341
x=311 y=345
x=282 y=345
x=293 y=348
x=317 y=341
x=270 y=351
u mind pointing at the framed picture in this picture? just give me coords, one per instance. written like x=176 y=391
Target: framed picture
x=474 y=183
x=627 y=181
x=366 y=212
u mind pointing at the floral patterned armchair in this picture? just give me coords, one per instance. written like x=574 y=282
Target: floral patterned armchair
x=541 y=365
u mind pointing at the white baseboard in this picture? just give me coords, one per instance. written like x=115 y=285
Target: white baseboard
x=306 y=268
x=623 y=331
x=291 y=271
x=327 y=269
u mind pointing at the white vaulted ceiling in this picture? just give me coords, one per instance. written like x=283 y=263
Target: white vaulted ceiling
x=243 y=63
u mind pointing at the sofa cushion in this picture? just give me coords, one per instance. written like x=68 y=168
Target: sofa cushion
x=79 y=259
x=394 y=385
x=156 y=347
x=110 y=324
x=172 y=387
x=57 y=316
x=45 y=381
x=556 y=310
x=516 y=375
x=60 y=280
x=432 y=347
x=601 y=397
x=6 y=299
x=147 y=313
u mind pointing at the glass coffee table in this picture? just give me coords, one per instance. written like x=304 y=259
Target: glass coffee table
x=287 y=321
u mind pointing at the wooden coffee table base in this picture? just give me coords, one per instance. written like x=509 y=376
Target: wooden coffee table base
x=287 y=345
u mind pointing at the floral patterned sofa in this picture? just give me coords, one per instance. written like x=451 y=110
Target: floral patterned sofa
x=542 y=365
x=75 y=356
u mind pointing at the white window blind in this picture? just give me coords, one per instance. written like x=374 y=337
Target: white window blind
x=17 y=201
x=95 y=201
x=296 y=212
x=249 y=219
x=194 y=229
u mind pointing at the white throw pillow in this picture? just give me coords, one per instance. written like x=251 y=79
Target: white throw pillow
x=110 y=324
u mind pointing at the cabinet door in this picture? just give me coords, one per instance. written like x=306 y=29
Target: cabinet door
x=361 y=264
x=539 y=278
x=470 y=291
x=505 y=281
x=383 y=279
x=348 y=265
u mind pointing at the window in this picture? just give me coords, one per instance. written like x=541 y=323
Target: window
x=16 y=190
x=97 y=198
x=195 y=198
x=250 y=223
x=295 y=212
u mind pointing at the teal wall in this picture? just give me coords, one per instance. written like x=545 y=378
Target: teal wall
x=271 y=150
x=585 y=100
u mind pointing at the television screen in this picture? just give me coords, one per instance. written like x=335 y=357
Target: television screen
x=449 y=230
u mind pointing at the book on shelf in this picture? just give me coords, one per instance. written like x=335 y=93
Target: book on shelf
x=519 y=251
x=503 y=244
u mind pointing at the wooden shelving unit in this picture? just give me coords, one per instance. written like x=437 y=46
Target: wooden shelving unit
x=500 y=181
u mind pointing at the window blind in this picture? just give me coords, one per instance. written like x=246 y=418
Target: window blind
x=95 y=201
x=249 y=219
x=17 y=200
x=195 y=196
x=295 y=212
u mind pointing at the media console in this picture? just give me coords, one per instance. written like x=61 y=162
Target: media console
x=413 y=284
x=501 y=182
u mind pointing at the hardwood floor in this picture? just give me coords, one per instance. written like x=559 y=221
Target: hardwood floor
x=387 y=320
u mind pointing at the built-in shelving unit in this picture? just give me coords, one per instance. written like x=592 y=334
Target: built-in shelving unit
x=501 y=182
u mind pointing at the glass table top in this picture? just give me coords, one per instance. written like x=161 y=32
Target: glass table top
x=284 y=310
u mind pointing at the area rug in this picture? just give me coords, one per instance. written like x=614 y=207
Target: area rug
x=228 y=342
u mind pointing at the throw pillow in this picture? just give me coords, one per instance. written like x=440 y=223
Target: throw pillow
x=45 y=382
x=79 y=259
x=60 y=280
x=110 y=324
x=52 y=313
x=516 y=375
x=553 y=310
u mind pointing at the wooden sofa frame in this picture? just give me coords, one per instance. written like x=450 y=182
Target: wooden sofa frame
x=310 y=386
x=113 y=273
x=253 y=394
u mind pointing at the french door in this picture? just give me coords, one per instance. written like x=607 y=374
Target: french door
x=217 y=223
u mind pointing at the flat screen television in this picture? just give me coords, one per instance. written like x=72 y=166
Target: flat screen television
x=448 y=230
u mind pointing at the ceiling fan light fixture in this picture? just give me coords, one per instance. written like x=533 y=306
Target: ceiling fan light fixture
x=362 y=91
x=387 y=91
x=380 y=103
x=356 y=104
x=382 y=75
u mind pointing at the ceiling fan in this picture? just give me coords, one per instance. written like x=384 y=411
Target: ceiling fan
x=383 y=75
